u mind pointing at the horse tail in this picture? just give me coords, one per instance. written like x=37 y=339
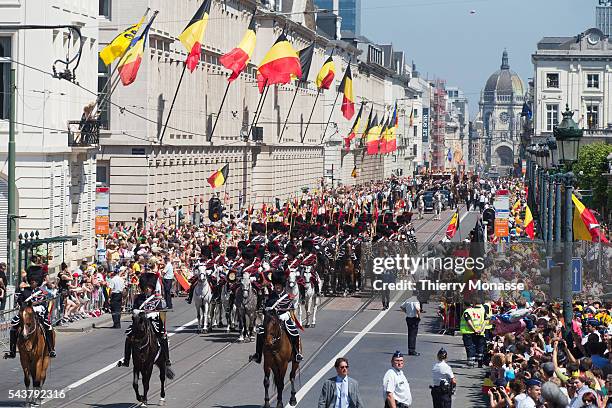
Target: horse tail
x=169 y=373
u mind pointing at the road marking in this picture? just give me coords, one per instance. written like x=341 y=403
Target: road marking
x=112 y=365
x=317 y=377
x=396 y=334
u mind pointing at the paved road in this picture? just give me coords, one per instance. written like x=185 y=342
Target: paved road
x=212 y=369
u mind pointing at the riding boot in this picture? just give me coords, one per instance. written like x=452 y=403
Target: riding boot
x=50 y=342
x=13 y=344
x=191 y=290
x=258 y=347
x=295 y=343
x=163 y=341
x=127 y=353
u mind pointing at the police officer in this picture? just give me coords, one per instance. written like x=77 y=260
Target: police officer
x=443 y=380
x=395 y=385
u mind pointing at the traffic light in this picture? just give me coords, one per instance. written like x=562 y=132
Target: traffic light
x=215 y=209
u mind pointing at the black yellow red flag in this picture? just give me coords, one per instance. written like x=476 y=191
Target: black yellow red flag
x=192 y=36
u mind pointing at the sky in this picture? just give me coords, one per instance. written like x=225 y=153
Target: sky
x=447 y=42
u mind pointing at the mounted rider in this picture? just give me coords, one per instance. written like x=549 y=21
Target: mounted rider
x=32 y=293
x=149 y=302
x=280 y=302
x=206 y=254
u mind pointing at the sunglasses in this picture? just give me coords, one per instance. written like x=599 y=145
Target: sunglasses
x=343 y=367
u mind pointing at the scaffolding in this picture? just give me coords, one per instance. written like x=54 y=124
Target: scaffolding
x=438 y=105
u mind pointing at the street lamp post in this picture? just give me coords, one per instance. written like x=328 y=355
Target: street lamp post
x=568 y=136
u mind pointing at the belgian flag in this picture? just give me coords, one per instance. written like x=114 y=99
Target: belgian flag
x=219 y=177
x=354 y=129
x=392 y=132
x=348 y=99
x=326 y=75
x=382 y=147
x=373 y=136
x=238 y=58
x=130 y=62
x=279 y=65
x=193 y=35
x=306 y=61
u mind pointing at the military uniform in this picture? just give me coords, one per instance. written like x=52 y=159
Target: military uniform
x=150 y=304
x=37 y=298
x=283 y=305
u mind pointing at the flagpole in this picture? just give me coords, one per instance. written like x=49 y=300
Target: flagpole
x=262 y=105
x=310 y=117
x=172 y=104
x=259 y=103
x=330 y=116
x=212 y=132
x=297 y=88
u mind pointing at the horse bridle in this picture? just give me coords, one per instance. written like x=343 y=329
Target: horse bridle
x=30 y=333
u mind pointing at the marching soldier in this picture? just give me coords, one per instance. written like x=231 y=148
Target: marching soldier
x=279 y=300
x=32 y=293
x=444 y=382
x=151 y=303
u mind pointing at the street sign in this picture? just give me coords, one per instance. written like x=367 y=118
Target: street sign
x=576 y=275
x=501 y=228
x=102 y=220
x=549 y=263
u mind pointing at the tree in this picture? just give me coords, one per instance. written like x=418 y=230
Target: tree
x=591 y=164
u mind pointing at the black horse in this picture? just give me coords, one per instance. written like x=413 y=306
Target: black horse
x=146 y=352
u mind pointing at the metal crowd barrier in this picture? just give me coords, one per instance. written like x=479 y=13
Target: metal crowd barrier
x=5 y=327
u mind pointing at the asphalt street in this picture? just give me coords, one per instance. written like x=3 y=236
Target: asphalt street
x=212 y=370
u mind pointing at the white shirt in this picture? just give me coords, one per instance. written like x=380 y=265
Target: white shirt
x=527 y=402
x=169 y=271
x=441 y=371
x=341 y=392
x=117 y=284
x=395 y=382
x=411 y=306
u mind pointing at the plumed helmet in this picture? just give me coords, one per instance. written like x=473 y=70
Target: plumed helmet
x=206 y=252
x=273 y=247
x=260 y=251
x=242 y=245
x=231 y=252
x=308 y=246
x=147 y=280
x=278 y=278
x=291 y=249
x=249 y=253
x=35 y=274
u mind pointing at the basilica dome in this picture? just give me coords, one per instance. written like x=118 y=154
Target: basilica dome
x=504 y=82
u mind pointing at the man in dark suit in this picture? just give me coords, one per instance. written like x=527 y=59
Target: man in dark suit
x=340 y=391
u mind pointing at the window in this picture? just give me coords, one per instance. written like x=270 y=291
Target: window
x=5 y=76
x=104 y=8
x=102 y=172
x=593 y=81
x=416 y=113
x=415 y=131
x=593 y=116
x=103 y=76
x=552 y=117
x=552 y=80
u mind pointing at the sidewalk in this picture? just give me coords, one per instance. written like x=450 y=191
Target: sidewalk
x=85 y=325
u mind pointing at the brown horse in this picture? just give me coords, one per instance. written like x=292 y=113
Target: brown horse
x=277 y=352
x=33 y=351
x=146 y=352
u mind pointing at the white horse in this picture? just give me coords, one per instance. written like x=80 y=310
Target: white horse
x=311 y=298
x=202 y=296
x=246 y=305
x=293 y=291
